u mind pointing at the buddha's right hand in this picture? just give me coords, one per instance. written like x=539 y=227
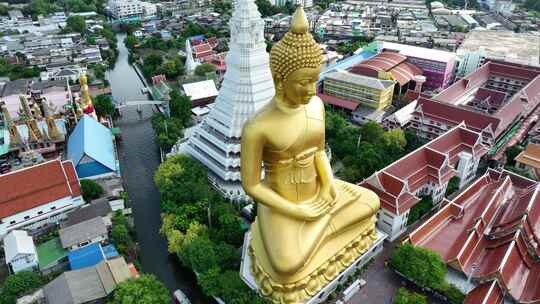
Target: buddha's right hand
x=312 y=210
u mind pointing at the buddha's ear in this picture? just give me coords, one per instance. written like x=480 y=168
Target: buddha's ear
x=278 y=81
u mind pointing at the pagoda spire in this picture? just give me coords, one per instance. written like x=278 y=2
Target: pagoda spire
x=246 y=88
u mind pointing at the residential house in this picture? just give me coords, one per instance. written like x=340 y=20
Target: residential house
x=91 y=148
x=87 y=285
x=84 y=233
x=487 y=236
x=52 y=257
x=97 y=208
x=20 y=252
x=38 y=196
x=86 y=256
x=424 y=172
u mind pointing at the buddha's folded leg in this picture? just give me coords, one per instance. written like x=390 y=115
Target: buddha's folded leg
x=356 y=204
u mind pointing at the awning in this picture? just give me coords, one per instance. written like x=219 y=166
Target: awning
x=346 y=104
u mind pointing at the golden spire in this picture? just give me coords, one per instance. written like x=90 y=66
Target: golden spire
x=299 y=22
x=86 y=100
x=25 y=108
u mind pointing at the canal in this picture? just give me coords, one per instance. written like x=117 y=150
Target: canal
x=139 y=159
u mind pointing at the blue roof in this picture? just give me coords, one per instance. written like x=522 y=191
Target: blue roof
x=86 y=256
x=110 y=251
x=94 y=140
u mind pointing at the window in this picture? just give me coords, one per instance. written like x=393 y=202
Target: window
x=40 y=212
x=27 y=217
x=12 y=222
x=53 y=207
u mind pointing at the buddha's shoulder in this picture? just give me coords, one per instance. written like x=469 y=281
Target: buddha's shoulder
x=260 y=121
x=315 y=108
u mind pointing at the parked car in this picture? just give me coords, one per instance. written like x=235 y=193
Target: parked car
x=180 y=297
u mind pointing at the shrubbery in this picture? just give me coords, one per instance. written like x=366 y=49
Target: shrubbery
x=20 y=284
x=91 y=190
x=403 y=296
x=426 y=269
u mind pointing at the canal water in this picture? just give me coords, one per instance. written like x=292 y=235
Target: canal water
x=139 y=159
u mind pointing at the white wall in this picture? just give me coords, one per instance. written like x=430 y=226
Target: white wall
x=38 y=216
x=391 y=224
x=24 y=262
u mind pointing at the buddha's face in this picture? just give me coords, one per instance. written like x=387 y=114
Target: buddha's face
x=300 y=86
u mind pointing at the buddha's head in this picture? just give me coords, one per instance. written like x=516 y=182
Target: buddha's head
x=295 y=62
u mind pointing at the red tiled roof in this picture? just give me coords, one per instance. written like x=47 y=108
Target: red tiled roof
x=486 y=293
x=405 y=72
x=396 y=183
x=493 y=236
x=349 y=105
x=37 y=185
x=391 y=62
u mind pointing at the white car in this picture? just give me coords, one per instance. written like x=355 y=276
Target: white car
x=180 y=297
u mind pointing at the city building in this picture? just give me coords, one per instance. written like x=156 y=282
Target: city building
x=87 y=285
x=424 y=172
x=391 y=66
x=487 y=235
x=495 y=99
x=529 y=160
x=437 y=65
x=20 y=252
x=126 y=9
x=38 y=196
x=84 y=233
x=91 y=148
x=96 y=208
x=478 y=46
x=246 y=88
x=361 y=90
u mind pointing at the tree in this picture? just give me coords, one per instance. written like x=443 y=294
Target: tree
x=372 y=132
x=420 y=209
x=76 y=24
x=511 y=153
x=453 y=185
x=19 y=284
x=131 y=41
x=179 y=173
x=423 y=266
x=200 y=255
x=168 y=130
x=103 y=105
x=146 y=289
x=91 y=190
x=403 y=296
x=180 y=107
x=121 y=238
x=203 y=69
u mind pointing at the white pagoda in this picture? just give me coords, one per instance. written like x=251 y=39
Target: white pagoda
x=247 y=87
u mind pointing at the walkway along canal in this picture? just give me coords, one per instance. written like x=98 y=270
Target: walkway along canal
x=139 y=159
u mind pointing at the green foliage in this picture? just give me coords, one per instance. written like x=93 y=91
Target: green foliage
x=180 y=106
x=131 y=41
x=19 y=284
x=172 y=68
x=453 y=185
x=75 y=24
x=423 y=266
x=151 y=63
x=40 y=7
x=199 y=255
x=453 y=294
x=511 y=153
x=533 y=5
x=182 y=180
x=267 y=9
x=103 y=105
x=15 y=72
x=348 y=48
x=90 y=190
x=144 y=290
x=420 y=209
x=223 y=7
x=168 y=130
x=403 y=296
x=120 y=233
x=203 y=69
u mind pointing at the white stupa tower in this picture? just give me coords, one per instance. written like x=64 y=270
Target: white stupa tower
x=247 y=87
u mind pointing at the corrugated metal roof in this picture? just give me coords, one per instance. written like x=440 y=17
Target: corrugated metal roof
x=93 y=139
x=85 y=257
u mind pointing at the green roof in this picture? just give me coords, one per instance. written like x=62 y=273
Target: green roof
x=50 y=252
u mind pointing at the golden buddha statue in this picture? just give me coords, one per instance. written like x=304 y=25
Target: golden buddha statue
x=86 y=103
x=309 y=226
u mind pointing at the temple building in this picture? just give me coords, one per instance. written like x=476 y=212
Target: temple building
x=36 y=197
x=498 y=100
x=247 y=87
x=488 y=236
x=424 y=172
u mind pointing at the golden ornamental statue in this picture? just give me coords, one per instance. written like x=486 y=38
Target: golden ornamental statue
x=309 y=226
x=86 y=103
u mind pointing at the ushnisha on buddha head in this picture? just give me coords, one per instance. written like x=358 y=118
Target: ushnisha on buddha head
x=295 y=62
